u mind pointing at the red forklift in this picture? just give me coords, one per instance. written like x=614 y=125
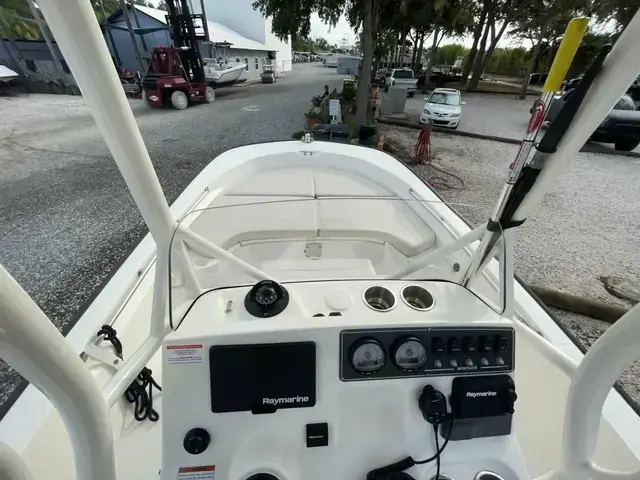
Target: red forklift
x=176 y=74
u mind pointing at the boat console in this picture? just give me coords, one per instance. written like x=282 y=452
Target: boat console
x=340 y=380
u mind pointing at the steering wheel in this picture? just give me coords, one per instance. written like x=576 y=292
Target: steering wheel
x=591 y=382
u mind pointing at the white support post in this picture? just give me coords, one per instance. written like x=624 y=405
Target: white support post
x=32 y=345
x=507 y=274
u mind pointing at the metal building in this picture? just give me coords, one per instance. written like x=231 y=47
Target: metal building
x=150 y=27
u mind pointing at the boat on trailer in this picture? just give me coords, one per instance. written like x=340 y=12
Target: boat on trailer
x=221 y=71
x=314 y=310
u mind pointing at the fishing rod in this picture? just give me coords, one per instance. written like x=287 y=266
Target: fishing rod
x=610 y=74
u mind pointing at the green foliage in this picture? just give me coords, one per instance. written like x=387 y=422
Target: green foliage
x=619 y=11
x=305 y=44
x=14 y=15
x=447 y=54
x=508 y=61
x=293 y=17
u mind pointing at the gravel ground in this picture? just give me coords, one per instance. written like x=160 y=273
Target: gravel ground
x=66 y=218
x=586 y=226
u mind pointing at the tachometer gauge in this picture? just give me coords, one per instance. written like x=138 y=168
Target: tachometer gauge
x=367 y=357
x=410 y=354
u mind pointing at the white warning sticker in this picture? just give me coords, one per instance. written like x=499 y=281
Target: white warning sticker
x=205 y=472
x=184 y=354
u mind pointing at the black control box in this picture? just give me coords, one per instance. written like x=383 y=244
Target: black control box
x=486 y=396
x=481 y=406
x=409 y=352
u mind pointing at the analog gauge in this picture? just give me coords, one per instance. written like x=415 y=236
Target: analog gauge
x=367 y=357
x=410 y=354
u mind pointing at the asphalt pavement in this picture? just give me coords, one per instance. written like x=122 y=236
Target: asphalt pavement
x=66 y=217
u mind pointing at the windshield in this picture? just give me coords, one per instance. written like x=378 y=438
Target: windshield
x=444 y=98
x=315 y=239
x=403 y=74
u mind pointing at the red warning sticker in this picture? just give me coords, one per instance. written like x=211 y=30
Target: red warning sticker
x=204 y=472
x=178 y=354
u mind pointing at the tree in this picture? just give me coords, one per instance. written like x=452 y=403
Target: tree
x=542 y=21
x=620 y=11
x=292 y=18
x=16 y=21
x=162 y=5
x=481 y=12
x=446 y=18
x=498 y=12
x=322 y=44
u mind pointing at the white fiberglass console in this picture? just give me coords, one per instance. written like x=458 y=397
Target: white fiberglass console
x=332 y=380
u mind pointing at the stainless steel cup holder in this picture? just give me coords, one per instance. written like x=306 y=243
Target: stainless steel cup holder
x=379 y=298
x=417 y=297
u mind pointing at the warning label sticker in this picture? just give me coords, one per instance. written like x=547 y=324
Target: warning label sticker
x=184 y=354
x=205 y=472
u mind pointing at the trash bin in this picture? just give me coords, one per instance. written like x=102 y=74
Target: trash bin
x=366 y=133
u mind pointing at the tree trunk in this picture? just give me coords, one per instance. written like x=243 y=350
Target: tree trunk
x=47 y=38
x=494 y=43
x=414 y=52
x=477 y=62
x=432 y=54
x=477 y=32
x=132 y=36
x=364 y=82
x=419 y=57
x=532 y=62
x=403 y=49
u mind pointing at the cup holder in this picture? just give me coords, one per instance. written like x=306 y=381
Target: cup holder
x=379 y=298
x=486 y=475
x=262 y=476
x=442 y=476
x=417 y=297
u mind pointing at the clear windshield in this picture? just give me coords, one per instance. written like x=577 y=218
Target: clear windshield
x=442 y=98
x=237 y=240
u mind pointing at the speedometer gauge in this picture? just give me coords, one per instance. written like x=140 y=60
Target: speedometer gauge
x=410 y=354
x=367 y=357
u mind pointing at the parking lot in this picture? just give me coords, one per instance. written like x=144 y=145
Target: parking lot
x=502 y=115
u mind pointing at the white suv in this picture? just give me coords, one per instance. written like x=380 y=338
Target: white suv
x=443 y=107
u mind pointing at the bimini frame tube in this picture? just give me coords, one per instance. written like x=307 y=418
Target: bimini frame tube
x=32 y=345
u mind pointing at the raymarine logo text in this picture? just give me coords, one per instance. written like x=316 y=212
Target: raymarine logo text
x=284 y=400
x=481 y=394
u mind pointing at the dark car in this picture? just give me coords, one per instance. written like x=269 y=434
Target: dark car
x=620 y=127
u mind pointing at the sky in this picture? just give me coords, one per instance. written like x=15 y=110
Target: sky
x=342 y=30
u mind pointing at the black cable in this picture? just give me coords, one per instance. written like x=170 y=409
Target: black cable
x=140 y=392
x=395 y=471
x=438 y=452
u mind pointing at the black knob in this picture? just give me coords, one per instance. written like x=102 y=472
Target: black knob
x=196 y=441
